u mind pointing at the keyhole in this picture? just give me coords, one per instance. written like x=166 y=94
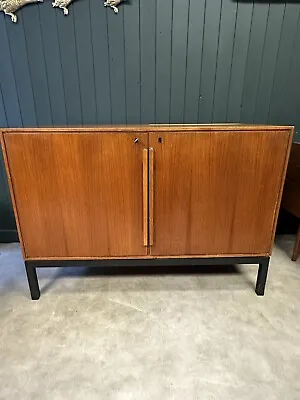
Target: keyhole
x=160 y=140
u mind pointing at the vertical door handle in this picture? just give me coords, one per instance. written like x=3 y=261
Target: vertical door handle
x=151 y=196
x=145 y=197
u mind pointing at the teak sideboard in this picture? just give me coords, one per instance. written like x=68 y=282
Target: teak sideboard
x=163 y=194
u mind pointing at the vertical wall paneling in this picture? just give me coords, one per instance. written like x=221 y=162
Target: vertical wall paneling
x=164 y=16
x=273 y=34
x=209 y=62
x=132 y=62
x=179 y=59
x=239 y=61
x=37 y=65
x=292 y=89
x=7 y=79
x=50 y=41
x=147 y=54
x=278 y=100
x=101 y=61
x=194 y=60
x=3 y=120
x=225 y=52
x=117 y=65
x=6 y=213
x=16 y=36
x=66 y=33
x=84 y=49
x=254 y=60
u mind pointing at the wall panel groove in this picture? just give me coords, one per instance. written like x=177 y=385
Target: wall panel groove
x=16 y=36
x=3 y=119
x=194 y=60
x=209 y=59
x=273 y=33
x=7 y=79
x=239 y=59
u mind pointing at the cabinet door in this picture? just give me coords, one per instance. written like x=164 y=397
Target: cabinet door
x=216 y=193
x=78 y=194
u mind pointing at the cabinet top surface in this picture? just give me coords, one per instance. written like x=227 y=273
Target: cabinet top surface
x=150 y=128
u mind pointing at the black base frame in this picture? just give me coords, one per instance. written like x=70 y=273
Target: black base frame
x=32 y=265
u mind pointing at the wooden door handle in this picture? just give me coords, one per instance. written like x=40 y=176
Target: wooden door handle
x=151 y=196
x=145 y=196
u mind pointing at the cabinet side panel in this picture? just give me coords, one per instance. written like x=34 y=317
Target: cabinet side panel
x=11 y=190
x=284 y=171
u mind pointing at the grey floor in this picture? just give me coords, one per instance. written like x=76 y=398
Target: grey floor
x=202 y=336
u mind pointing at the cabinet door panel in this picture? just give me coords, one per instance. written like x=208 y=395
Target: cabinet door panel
x=216 y=193
x=78 y=194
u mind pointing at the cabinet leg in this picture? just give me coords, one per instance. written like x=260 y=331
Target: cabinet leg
x=32 y=281
x=262 y=277
x=297 y=246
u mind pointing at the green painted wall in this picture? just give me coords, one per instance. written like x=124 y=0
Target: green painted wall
x=157 y=61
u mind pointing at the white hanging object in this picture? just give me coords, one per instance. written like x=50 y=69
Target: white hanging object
x=112 y=4
x=63 y=4
x=9 y=7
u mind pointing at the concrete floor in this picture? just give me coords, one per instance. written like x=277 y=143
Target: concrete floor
x=202 y=336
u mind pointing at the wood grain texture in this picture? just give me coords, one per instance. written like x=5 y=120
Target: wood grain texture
x=78 y=195
x=217 y=192
x=279 y=194
x=209 y=193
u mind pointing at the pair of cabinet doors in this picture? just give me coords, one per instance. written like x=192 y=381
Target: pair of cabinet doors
x=136 y=192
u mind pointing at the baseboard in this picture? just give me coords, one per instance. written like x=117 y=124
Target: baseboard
x=8 y=236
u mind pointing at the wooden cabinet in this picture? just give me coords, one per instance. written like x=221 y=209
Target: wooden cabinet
x=145 y=193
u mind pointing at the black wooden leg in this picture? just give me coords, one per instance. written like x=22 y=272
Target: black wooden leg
x=262 y=277
x=32 y=281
